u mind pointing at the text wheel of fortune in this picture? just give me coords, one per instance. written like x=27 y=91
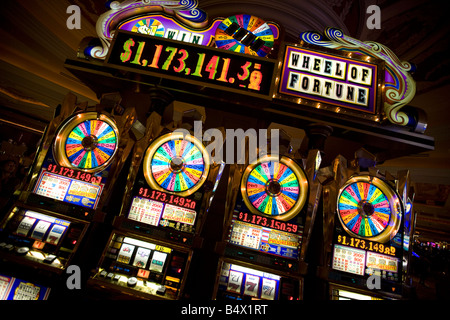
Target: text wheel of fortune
x=87 y=141
x=176 y=163
x=369 y=208
x=276 y=187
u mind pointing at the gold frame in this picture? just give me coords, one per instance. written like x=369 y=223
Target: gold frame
x=65 y=129
x=160 y=141
x=303 y=185
x=394 y=204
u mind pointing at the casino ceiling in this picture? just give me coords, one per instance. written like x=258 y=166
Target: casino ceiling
x=35 y=42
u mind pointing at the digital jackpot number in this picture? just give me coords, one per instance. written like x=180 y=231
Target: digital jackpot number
x=180 y=60
x=366 y=245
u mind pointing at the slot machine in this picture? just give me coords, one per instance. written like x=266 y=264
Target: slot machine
x=80 y=155
x=367 y=225
x=267 y=227
x=170 y=186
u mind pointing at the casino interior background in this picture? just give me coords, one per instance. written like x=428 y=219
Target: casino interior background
x=35 y=43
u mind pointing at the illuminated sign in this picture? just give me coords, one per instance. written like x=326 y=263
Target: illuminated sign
x=366 y=245
x=198 y=65
x=349 y=259
x=169 y=28
x=265 y=235
x=158 y=208
x=68 y=185
x=330 y=79
x=382 y=262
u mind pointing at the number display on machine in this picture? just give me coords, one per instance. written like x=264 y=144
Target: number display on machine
x=266 y=239
x=177 y=60
x=69 y=187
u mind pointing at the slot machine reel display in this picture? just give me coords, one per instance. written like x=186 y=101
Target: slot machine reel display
x=368 y=247
x=48 y=241
x=171 y=185
x=141 y=268
x=265 y=230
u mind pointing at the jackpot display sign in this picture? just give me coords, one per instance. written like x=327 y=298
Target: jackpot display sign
x=195 y=64
x=331 y=79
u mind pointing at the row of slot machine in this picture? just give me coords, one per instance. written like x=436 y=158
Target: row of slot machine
x=170 y=181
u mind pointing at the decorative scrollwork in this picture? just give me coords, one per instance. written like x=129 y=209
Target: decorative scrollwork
x=400 y=87
x=118 y=11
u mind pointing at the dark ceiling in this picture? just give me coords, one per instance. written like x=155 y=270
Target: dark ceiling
x=35 y=42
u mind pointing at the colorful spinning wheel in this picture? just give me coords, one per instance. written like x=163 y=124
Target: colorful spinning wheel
x=149 y=26
x=176 y=163
x=245 y=34
x=369 y=208
x=274 y=187
x=87 y=142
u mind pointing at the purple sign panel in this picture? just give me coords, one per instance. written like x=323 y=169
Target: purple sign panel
x=330 y=79
x=166 y=27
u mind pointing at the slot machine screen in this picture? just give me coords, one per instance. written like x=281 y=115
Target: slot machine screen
x=151 y=265
x=67 y=189
x=167 y=211
x=266 y=235
x=42 y=227
x=16 y=289
x=249 y=282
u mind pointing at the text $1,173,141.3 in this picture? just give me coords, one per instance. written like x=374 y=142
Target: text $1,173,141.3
x=203 y=65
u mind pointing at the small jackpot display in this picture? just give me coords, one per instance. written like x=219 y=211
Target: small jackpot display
x=75 y=170
x=273 y=192
x=169 y=187
x=368 y=239
x=142 y=268
x=47 y=240
x=198 y=65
